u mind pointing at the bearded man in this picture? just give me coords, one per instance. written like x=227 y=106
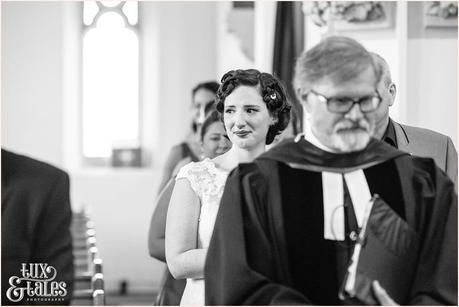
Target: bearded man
x=335 y=217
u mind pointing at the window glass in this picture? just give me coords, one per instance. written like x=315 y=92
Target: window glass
x=110 y=113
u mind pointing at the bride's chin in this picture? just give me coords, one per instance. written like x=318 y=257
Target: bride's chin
x=241 y=143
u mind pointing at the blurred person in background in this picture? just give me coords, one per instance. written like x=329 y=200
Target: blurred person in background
x=417 y=141
x=214 y=142
x=203 y=96
x=255 y=110
x=36 y=218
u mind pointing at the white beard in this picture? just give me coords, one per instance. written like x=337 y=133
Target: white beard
x=350 y=141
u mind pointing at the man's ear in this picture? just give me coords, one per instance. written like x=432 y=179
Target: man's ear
x=393 y=93
x=303 y=99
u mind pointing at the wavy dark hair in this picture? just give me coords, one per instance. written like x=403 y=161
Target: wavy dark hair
x=271 y=90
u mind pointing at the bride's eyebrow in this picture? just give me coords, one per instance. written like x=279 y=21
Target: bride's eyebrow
x=251 y=106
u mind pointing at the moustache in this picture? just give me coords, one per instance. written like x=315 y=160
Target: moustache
x=348 y=125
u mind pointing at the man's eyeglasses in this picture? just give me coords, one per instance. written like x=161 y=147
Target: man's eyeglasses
x=344 y=104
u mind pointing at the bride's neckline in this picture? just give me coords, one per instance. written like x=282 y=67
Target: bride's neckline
x=216 y=166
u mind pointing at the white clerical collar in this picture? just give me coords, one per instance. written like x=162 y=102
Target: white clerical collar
x=333 y=200
x=311 y=138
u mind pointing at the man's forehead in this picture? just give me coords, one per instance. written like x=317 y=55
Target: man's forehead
x=363 y=82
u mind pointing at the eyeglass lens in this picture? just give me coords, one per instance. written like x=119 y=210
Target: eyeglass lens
x=367 y=104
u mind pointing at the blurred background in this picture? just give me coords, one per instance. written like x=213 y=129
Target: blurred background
x=103 y=90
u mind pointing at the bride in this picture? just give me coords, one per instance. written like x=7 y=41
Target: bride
x=254 y=109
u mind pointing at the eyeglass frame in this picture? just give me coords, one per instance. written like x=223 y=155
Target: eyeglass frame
x=354 y=101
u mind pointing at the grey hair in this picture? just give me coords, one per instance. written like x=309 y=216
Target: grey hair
x=336 y=58
x=383 y=69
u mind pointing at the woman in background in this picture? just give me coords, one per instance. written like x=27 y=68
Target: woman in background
x=203 y=96
x=214 y=142
x=255 y=110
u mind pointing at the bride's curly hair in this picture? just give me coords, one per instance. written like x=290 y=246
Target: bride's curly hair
x=271 y=90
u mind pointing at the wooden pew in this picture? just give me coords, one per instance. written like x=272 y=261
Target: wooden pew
x=89 y=279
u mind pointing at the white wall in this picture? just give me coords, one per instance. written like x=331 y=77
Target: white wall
x=432 y=86
x=228 y=43
x=265 y=19
x=71 y=72
x=179 y=41
x=32 y=79
x=432 y=74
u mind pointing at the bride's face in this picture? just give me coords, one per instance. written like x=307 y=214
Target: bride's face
x=246 y=117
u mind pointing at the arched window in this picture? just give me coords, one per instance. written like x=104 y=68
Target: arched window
x=110 y=111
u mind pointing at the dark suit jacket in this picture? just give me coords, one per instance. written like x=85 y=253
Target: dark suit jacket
x=36 y=217
x=427 y=143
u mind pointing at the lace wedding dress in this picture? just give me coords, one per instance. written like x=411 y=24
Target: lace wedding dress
x=208 y=182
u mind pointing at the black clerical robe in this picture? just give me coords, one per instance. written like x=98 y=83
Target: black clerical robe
x=268 y=245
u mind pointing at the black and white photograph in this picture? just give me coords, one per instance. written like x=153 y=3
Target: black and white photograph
x=229 y=153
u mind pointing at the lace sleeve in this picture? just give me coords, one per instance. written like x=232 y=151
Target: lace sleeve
x=190 y=172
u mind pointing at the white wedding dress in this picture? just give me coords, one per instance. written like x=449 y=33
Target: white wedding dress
x=208 y=182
